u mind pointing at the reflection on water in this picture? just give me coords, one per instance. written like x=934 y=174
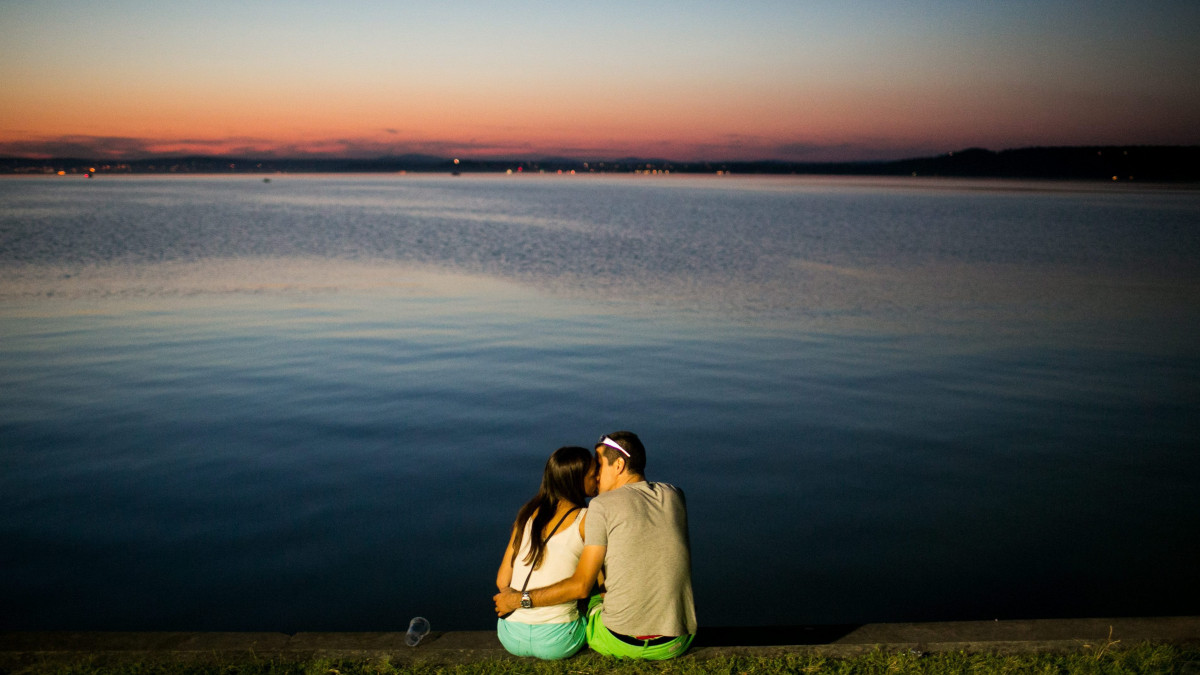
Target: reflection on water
x=69 y=286
x=316 y=404
x=937 y=253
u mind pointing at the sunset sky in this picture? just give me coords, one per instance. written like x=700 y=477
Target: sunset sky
x=754 y=79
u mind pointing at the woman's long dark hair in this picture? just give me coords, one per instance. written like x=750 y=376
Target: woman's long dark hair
x=562 y=479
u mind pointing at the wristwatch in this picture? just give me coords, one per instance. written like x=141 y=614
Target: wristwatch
x=526 y=601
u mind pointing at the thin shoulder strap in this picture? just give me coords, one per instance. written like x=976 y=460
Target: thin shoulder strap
x=556 y=526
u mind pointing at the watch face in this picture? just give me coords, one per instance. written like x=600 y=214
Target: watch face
x=526 y=602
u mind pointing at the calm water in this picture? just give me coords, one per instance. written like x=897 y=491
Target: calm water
x=316 y=404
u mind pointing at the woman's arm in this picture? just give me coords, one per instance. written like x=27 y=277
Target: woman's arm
x=504 y=574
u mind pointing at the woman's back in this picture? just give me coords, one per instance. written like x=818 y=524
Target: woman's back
x=558 y=562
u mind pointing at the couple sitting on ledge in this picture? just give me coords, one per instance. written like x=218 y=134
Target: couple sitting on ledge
x=627 y=554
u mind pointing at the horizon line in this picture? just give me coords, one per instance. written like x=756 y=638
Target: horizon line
x=532 y=158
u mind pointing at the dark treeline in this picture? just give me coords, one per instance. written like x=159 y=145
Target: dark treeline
x=1108 y=163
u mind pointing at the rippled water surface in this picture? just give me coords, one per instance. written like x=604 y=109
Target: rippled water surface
x=316 y=403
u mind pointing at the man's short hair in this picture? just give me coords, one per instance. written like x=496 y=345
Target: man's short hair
x=634 y=455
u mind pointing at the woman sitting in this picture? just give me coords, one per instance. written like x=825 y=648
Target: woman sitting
x=544 y=547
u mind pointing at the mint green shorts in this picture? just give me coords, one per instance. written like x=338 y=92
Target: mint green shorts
x=545 y=641
x=603 y=642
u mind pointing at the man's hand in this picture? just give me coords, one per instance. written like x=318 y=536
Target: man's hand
x=506 y=601
x=574 y=587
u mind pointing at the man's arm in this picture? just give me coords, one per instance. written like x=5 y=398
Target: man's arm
x=574 y=587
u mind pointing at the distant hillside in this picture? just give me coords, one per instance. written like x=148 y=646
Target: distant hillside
x=1145 y=163
x=1107 y=163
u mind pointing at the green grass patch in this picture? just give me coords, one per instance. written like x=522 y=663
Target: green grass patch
x=1139 y=659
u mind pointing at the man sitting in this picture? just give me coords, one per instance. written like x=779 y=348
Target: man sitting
x=637 y=531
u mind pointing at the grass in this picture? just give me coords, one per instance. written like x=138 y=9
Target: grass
x=1102 y=659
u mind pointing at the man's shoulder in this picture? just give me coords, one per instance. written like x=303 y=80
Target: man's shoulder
x=672 y=493
x=636 y=491
x=605 y=499
x=656 y=487
x=668 y=487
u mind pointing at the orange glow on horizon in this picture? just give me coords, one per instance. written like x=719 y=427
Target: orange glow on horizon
x=756 y=82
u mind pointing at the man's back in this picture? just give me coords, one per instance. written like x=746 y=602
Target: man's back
x=647 y=564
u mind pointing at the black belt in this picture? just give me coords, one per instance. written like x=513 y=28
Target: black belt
x=630 y=640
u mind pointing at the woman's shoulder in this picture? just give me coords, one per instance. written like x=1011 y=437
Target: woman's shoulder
x=581 y=514
x=581 y=520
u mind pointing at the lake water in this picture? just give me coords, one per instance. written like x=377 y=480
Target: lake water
x=317 y=403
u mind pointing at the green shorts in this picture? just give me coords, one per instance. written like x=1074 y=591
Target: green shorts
x=544 y=641
x=604 y=642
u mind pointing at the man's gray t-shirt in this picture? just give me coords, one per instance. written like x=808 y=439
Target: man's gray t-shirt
x=648 y=564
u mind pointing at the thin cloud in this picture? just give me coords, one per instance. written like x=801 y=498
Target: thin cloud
x=861 y=151
x=126 y=147
x=115 y=147
x=728 y=148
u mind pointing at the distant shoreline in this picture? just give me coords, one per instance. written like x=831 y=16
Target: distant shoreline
x=1137 y=163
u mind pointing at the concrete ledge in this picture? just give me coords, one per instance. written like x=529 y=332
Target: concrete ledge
x=1027 y=636
x=1047 y=635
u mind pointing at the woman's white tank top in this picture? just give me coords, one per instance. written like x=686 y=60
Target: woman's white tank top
x=558 y=562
